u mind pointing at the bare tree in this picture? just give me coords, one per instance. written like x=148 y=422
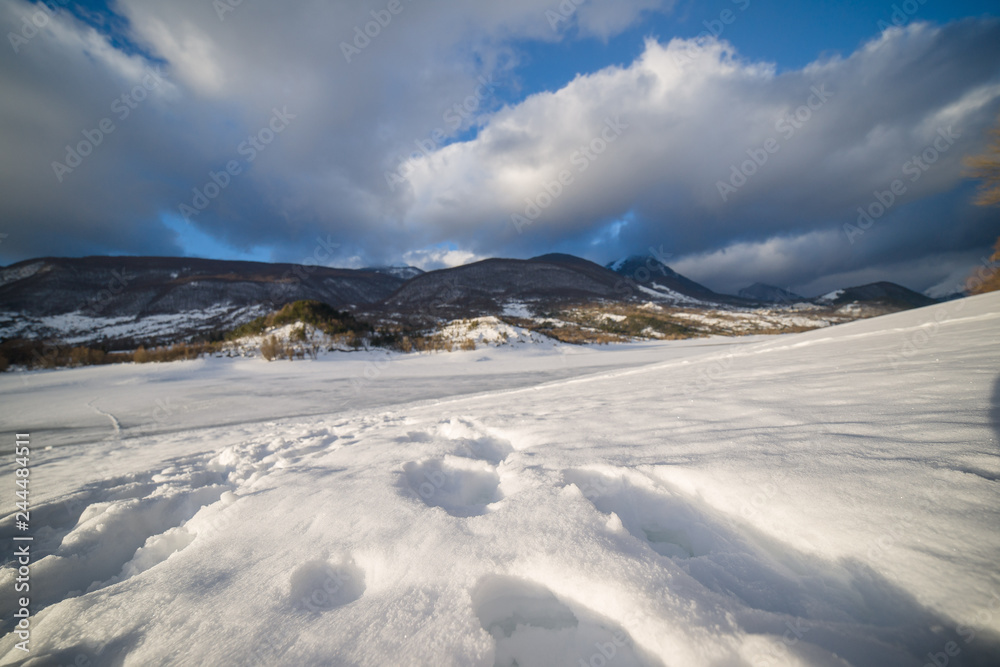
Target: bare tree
x=986 y=168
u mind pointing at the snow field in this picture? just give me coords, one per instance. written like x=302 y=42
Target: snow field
x=825 y=498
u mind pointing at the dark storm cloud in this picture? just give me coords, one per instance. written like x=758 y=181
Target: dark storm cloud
x=225 y=72
x=365 y=158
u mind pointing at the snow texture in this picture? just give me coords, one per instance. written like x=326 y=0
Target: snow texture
x=825 y=498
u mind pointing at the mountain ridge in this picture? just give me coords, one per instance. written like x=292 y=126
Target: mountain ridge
x=126 y=296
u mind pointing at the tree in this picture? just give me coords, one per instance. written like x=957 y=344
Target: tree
x=270 y=348
x=986 y=168
x=985 y=279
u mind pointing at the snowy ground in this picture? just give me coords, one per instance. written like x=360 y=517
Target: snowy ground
x=79 y=329
x=825 y=498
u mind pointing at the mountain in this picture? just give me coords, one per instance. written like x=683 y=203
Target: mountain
x=403 y=272
x=125 y=299
x=143 y=286
x=769 y=294
x=888 y=295
x=486 y=286
x=659 y=280
x=120 y=302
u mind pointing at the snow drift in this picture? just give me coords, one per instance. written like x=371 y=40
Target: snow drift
x=825 y=498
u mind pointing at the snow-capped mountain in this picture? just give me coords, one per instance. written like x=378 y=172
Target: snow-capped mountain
x=120 y=302
x=654 y=275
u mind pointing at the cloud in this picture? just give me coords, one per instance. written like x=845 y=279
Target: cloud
x=429 y=259
x=226 y=73
x=745 y=173
x=648 y=142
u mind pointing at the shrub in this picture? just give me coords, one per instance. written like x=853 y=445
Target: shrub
x=84 y=356
x=355 y=340
x=320 y=315
x=271 y=349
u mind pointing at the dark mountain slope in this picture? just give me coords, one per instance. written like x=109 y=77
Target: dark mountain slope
x=650 y=272
x=485 y=286
x=769 y=294
x=883 y=293
x=142 y=286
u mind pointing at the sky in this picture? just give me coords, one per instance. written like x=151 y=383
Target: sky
x=810 y=146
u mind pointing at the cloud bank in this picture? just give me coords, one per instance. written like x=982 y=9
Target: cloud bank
x=395 y=141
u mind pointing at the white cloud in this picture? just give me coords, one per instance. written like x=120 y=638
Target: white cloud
x=692 y=110
x=429 y=259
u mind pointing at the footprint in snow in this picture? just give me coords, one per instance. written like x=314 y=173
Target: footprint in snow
x=664 y=521
x=318 y=585
x=474 y=441
x=461 y=487
x=532 y=627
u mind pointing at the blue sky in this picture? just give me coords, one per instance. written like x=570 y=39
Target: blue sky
x=350 y=171
x=789 y=34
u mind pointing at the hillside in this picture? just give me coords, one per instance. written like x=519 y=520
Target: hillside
x=487 y=286
x=123 y=300
x=119 y=303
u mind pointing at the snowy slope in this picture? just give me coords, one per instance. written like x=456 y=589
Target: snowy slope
x=825 y=498
x=79 y=329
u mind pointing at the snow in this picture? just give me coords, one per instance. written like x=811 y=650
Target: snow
x=832 y=296
x=739 y=321
x=517 y=309
x=619 y=263
x=401 y=271
x=11 y=275
x=491 y=331
x=77 y=328
x=825 y=498
x=661 y=292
